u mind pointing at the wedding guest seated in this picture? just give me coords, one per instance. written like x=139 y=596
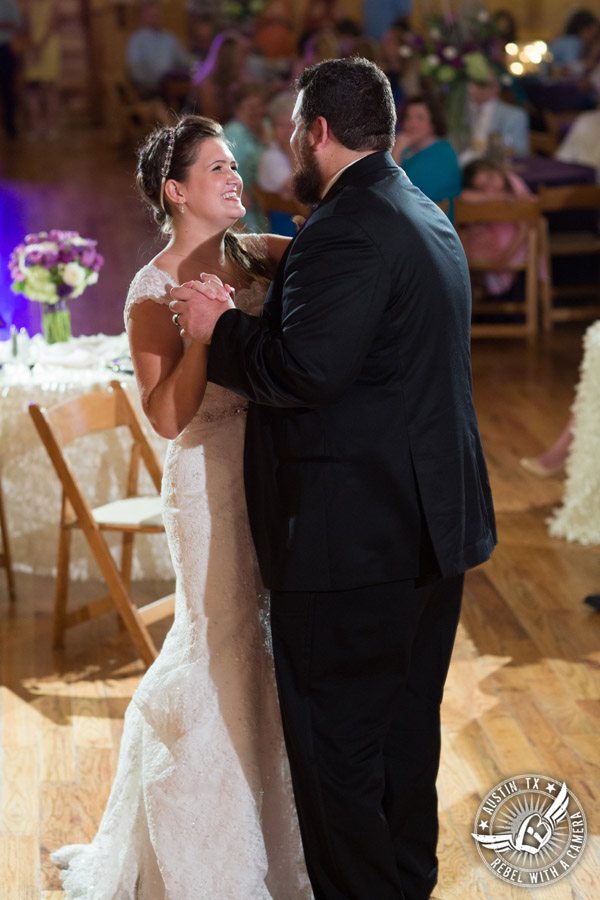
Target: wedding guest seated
x=348 y=32
x=582 y=141
x=504 y=243
x=201 y=30
x=315 y=48
x=379 y=15
x=152 y=52
x=274 y=30
x=221 y=73
x=506 y=32
x=246 y=134
x=277 y=162
x=424 y=154
x=402 y=71
x=487 y=114
x=367 y=48
x=320 y=14
x=576 y=51
x=505 y=24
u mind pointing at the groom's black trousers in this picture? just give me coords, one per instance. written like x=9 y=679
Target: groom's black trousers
x=360 y=676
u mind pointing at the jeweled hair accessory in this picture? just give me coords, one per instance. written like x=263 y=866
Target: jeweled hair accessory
x=166 y=166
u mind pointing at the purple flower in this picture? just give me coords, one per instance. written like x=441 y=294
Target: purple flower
x=35 y=238
x=16 y=273
x=98 y=262
x=67 y=254
x=50 y=258
x=88 y=257
x=63 y=290
x=34 y=258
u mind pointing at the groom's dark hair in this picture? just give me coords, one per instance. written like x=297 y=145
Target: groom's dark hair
x=355 y=97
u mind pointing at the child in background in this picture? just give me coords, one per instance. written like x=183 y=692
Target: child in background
x=501 y=242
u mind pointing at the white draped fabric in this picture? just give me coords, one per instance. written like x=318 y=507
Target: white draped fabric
x=578 y=519
x=31 y=487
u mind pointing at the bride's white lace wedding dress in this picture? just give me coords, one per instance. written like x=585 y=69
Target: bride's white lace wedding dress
x=201 y=807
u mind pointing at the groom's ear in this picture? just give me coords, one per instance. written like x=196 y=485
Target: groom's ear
x=319 y=132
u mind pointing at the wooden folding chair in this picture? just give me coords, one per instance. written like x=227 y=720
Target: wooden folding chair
x=131 y=118
x=516 y=211
x=5 y=559
x=269 y=202
x=131 y=515
x=563 y=244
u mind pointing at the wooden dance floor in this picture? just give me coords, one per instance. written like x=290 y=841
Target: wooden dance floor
x=523 y=694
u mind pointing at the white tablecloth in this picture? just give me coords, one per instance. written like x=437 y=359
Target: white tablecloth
x=31 y=488
x=578 y=519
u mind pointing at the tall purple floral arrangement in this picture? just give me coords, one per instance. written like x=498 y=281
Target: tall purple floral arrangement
x=54 y=265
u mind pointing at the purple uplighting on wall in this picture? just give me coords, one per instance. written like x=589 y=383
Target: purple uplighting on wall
x=14 y=309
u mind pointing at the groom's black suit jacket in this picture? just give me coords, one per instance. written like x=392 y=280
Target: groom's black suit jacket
x=363 y=462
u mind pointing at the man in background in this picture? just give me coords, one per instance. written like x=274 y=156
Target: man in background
x=152 y=52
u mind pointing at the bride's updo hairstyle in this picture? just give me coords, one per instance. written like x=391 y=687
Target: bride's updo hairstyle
x=170 y=153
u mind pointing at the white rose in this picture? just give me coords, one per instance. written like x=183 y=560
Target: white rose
x=483 y=15
x=433 y=60
x=435 y=34
x=450 y=52
x=404 y=51
x=73 y=274
x=92 y=278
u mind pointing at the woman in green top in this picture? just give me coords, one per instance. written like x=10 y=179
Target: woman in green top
x=420 y=149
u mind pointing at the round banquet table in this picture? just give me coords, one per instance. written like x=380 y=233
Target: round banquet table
x=537 y=170
x=32 y=491
x=578 y=519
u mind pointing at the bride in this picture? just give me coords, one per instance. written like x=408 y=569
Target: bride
x=201 y=807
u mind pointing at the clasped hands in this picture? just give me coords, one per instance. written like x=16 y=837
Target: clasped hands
x=197 y=306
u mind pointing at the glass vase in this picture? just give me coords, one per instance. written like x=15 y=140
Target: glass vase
x=56 y=322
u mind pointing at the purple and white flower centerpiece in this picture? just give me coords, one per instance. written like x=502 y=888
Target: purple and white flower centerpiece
x=54 y=267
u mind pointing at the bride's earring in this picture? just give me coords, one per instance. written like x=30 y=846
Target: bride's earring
x=182 y=208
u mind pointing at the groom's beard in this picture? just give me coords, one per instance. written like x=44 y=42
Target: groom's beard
x=307 y=176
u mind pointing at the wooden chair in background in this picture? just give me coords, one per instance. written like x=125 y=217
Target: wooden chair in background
x=525 y=211
x=5 y=559
x=564 y=244
x=546 y=143
x=132 y=118
x=131 y=515
x=269 y=202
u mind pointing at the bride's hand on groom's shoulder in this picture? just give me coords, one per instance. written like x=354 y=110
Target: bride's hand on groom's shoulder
x=197 y=306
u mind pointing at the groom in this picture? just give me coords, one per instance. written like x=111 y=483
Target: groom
x=366 y=484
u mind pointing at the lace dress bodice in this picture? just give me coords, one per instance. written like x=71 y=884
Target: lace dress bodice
x=154 y=284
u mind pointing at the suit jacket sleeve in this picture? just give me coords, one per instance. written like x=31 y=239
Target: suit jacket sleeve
x=335 y=288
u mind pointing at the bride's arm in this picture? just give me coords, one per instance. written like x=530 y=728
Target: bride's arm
x=171 y=383
x=271 y=246
x=276 y=246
